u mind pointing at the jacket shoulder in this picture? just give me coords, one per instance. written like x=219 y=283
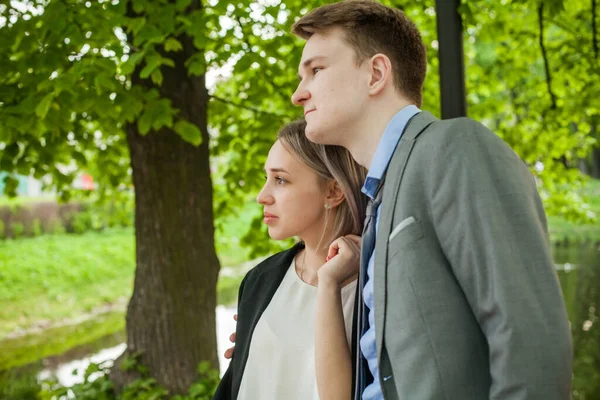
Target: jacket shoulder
x=283 y=259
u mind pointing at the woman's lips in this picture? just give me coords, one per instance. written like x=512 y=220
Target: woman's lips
x=269 y=218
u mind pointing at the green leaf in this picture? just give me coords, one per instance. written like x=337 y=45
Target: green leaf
x=172 y=44
x=139 y=5
x=44 y=106
x=196 y=65
x=189 y=132
x=168 y=62
x=148 y=33
x=157 y=77
x=135 y=24
x=152 y=62
x=134 y=59
x=181 y=5
x=145 y=123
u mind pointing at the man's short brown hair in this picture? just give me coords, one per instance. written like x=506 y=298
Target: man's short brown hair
x=370 y=28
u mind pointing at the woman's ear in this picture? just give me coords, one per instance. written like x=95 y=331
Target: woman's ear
x=335 y=195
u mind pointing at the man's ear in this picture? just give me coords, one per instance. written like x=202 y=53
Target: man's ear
x=381 y=73
x=335 y=195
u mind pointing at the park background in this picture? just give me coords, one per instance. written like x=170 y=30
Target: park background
x=133 y=134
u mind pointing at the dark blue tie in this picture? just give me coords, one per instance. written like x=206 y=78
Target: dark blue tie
x=363 y=376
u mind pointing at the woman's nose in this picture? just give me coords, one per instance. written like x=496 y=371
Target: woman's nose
x=264 y=197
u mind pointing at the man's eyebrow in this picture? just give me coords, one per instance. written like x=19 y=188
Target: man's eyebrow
x=307 y=62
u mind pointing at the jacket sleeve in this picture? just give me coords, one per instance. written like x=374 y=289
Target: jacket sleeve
x=223 y=391
x=492 y=228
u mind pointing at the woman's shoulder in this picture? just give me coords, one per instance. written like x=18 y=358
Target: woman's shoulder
x=267 y=275
x=283 y=259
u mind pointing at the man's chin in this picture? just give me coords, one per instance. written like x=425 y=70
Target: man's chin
x=316 y=135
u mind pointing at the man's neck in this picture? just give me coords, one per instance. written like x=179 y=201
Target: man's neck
x=368 y=134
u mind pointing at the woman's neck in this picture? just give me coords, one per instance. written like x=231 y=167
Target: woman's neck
x=309 y=261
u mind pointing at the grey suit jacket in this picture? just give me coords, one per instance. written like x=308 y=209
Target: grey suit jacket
x=467 y=302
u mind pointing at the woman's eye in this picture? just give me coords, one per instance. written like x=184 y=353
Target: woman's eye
x=279 y=180
x=316 y=70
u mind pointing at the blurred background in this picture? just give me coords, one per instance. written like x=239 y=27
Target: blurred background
x=133 y=135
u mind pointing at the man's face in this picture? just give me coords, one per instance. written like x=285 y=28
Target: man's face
x=333 y=88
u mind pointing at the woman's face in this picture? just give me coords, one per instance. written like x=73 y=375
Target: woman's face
x=293 y=197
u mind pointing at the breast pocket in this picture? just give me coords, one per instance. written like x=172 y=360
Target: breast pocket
x=406 y=232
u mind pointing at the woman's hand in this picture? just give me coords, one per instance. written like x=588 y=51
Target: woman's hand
x=343 y=260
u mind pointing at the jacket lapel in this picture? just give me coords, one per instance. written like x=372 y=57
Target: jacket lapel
x=395 y=170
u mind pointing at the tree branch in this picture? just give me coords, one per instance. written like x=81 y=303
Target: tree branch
x=545 y=56
x=254 y=110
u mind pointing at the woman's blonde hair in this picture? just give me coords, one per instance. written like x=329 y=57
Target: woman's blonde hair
x=331 y=162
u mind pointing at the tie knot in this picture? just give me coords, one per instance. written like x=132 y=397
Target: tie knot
x=372 y=206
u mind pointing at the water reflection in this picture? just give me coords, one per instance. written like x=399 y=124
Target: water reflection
x=72 y=372
x=581 y=288
x=578 y=270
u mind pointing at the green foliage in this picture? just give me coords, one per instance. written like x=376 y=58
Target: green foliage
x=79 y=87
x=97 y=385
x=2 y=230
x=19 y=385
x=532 y=76
x=105 y=330
x=564 y=230
x=57 y=228
x=227 y=289
x=36 y=227
x=17 y=229
x=82 y=222
x=96 y=215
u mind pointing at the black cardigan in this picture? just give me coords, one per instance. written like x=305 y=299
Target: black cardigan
x=256 y=291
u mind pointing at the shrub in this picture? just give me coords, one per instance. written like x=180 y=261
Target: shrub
x=97 y=385
x=82 y=222
x=36 y=227
x=17 y=229
x=56 y=227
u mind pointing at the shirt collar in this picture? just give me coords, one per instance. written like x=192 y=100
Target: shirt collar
x=386 y=147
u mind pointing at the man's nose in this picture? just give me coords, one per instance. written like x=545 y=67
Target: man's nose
x=300 y=95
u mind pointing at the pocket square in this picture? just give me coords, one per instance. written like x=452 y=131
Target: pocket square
x=403 y=224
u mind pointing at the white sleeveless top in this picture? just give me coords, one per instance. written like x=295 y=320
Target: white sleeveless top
x=281 y=359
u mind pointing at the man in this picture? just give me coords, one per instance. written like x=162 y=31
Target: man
x=461 y=300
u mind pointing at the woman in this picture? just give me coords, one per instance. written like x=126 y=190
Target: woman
x=296 y=308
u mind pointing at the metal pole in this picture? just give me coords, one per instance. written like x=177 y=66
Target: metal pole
x=452 y=69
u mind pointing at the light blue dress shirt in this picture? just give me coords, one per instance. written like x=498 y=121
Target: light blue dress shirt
x=381 y=159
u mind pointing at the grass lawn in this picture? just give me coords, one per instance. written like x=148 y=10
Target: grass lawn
x=50 y=278
x=54 y=277
x=6 y=201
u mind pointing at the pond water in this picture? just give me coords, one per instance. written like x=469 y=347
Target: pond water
x=578 y=269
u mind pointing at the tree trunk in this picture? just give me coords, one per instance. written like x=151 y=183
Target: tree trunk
x=171 y=314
